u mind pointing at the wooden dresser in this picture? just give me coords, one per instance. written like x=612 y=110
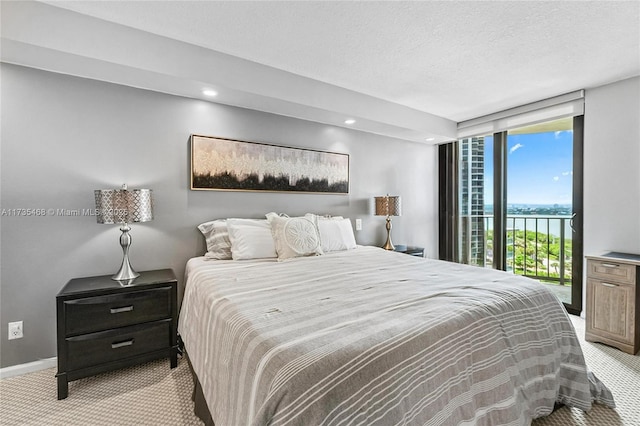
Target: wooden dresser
x=613 y=300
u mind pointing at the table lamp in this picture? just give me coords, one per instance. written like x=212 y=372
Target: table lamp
x=124 y=206
x=388 y=205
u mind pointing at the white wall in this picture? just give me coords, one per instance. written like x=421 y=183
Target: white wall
x=612 y=169
x=62 y=137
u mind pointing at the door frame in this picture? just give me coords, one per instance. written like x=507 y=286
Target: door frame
x=448 y=209
x=577 y=220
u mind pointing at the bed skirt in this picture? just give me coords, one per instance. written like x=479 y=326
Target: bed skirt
x=200 y=407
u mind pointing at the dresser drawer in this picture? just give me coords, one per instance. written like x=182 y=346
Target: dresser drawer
x=105 y=346
x=98 y=313
x=621 y=273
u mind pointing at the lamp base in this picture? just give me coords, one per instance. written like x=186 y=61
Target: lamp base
x=126 y=272
x=388 y=245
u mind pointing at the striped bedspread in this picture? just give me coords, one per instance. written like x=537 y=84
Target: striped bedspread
x=370 y=337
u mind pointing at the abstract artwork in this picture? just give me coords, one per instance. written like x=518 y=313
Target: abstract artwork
x=231 y=165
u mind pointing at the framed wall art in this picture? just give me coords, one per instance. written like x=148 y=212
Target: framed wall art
x=231 y=165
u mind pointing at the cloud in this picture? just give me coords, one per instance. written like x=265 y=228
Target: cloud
x=515 y=148
x=567 y=173
x=557 y=133
x=556 y=178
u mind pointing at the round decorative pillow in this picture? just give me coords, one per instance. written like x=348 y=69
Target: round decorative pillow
x=301 y=236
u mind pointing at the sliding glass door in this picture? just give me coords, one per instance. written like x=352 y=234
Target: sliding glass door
x=520 y=204
x=540 y=205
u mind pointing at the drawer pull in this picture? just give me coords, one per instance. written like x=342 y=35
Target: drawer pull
x=609 y=285
x=123 y=309
x=610 y=265
x=122 y=344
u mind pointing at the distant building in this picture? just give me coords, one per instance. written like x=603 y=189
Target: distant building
x=473 y=250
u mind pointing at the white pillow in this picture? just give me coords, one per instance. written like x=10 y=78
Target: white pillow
x=217 y=237
x=295 y=236
x=251 y=239
x=336 y=235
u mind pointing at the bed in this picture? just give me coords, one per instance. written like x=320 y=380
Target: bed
x=371 y=337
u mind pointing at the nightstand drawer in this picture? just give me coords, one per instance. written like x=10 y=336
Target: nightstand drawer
x=116 y=310
x=612 y=271
x=105 y=346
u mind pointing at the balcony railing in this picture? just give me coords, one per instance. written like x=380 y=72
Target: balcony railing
x=537 y=246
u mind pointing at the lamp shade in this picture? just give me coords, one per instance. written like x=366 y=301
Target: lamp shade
x=388 y=205
x=123 y=205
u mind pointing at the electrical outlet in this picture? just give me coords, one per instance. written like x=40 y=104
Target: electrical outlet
x=358 y=224
x=15 y=330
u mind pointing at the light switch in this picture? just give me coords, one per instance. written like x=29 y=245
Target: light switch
x=358 y=224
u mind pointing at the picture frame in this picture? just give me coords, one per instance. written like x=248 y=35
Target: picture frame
x=220 y=164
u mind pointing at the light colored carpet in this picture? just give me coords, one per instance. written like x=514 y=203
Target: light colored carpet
x=620 y=372
x=152 y=394
x=148 y=394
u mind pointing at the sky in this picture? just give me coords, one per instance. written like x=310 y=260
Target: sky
x=539 y=168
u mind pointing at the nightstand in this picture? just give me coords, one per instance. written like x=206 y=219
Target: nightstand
x=411 y=250
x=105 y=325
x=613 y=301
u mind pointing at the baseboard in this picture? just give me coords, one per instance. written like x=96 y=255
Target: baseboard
x=29 y=367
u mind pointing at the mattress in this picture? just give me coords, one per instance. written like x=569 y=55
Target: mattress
x=370 y=337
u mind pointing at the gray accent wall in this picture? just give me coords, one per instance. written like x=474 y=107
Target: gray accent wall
x=62 y=137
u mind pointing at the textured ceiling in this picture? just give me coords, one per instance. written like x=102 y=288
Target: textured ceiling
x=457 y=60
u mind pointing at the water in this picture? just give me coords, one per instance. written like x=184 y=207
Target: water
x=543 y=218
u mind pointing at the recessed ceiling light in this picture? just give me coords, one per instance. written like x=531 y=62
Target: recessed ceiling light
x=349 y=121
x=210 y=92
x=430 y=139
